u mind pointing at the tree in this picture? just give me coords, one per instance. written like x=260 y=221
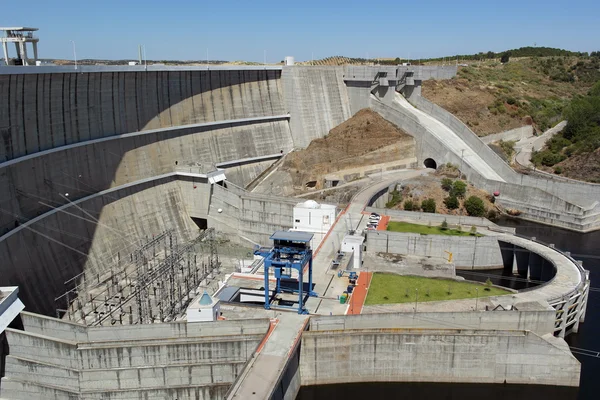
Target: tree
x=505 y=57
x=451 y=202
x=444 y=225
x=409 y=205
x=459 y=189
x=428 y=205
x=475 y=207
x=447 y=184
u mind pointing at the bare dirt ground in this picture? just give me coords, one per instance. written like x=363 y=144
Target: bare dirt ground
x=363 y=140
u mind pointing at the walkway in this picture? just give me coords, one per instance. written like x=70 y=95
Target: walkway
x=536 y=143
x=357 y=301
x=261 y=373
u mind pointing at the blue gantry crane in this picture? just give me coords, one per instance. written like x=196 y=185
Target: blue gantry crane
x=291 y=251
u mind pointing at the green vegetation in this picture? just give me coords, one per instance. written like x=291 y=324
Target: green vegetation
x=508 y=147
x=521 y=52
x=396 y=226
x=459 y=189
x=581 y=135
x=475 y=207
x=395 y=200
x=444 y=225
x=409 y=205
x=391 y=289
x=447 y=184
x=428 y=205
x=451 y=202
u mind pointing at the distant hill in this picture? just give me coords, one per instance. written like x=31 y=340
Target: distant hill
x=520 y=52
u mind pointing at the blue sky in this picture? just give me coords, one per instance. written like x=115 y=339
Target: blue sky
x=243 y=30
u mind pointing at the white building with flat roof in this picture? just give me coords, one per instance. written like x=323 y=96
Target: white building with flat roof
x=310 y=216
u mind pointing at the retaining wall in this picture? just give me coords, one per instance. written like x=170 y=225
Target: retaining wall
x=405 y=355
x=198 y=359
x=467 y=251
x=249 y=216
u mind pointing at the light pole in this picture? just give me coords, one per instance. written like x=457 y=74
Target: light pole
x=416 y=298
x=476 y=298
x=462 y=152
x=74 y=53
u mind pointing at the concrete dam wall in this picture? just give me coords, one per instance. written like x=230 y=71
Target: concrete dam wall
x=71 y=136
x=44 y=111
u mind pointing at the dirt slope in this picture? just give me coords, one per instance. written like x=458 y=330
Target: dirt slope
x=364 y=139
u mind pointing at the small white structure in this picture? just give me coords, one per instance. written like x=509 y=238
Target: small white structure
x=289 y=60
x=205 y=308
x=315 y=218
x=354 y=244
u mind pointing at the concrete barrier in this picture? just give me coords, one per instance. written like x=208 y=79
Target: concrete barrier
x=437 y=355
x=540 y=322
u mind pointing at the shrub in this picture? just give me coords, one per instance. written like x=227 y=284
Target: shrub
x=444 y=225
x=396 y=199
x=558 y=170
x=473 y=230
x=511 y=100
x=409 y=205
x=492 y=215
x=459 y=189
x=428 y=205
x=451 y=202
x=488 y=284
x=505 y=57
x=508 y=147
x=447 y=184
x=475 y=207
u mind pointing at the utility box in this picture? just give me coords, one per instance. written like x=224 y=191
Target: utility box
x=205 y=308
x=354 y=244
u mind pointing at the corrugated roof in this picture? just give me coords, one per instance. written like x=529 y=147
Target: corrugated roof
x=295 y=236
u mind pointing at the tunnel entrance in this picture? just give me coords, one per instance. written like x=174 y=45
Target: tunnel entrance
x=430 y=163
x=202 y=223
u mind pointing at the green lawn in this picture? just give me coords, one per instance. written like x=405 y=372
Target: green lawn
x=391 y=288
x=396 y=226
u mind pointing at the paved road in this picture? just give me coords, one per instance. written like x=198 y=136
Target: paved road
x=527 y=146
x=450 y=139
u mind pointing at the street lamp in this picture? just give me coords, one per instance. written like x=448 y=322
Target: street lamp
x=462 y=152
x=74 y=53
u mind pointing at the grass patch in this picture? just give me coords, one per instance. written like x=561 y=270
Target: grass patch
x=396 y=226
x=392 y=289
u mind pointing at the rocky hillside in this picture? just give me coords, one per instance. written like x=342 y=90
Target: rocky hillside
x=492 y=97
